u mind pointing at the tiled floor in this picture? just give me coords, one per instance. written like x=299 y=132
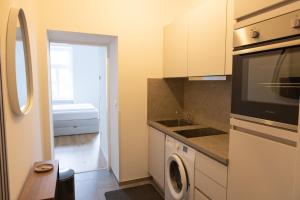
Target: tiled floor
x=93 y=185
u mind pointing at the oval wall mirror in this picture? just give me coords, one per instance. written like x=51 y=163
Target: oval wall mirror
x=19 y=70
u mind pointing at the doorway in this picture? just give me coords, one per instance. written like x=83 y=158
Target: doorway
x=4 y=188
x=79 y=105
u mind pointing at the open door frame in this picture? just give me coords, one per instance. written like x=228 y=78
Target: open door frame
x=110 y=42
x=4 y=188
x=297 y=166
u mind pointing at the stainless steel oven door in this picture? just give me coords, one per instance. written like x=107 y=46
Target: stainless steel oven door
x=266 y=82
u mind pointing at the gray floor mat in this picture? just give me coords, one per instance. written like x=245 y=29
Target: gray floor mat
x=143 y=192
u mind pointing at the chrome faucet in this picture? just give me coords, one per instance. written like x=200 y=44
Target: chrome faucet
x=177 y=117
x=188 y=117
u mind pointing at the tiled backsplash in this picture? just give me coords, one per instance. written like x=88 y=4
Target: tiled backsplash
x=165 y=97
x=208 y=102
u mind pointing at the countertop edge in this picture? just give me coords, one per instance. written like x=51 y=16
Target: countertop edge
x=170 y=133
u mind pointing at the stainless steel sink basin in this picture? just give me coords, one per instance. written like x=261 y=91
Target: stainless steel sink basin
x=174 y=122
x=201 y=132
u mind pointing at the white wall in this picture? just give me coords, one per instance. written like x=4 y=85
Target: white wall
x=138 y=24
x=87 y=62
x=23 y=133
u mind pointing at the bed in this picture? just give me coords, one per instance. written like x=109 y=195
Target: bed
x=73 y=119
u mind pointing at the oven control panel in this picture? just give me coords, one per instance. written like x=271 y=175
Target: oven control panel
x=276 y=28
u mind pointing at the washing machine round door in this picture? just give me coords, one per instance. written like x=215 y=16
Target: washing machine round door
x=177 y=179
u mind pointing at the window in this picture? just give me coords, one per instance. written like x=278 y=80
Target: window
x=61 y=72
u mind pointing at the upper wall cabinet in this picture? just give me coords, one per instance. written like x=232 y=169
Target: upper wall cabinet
x=243 y=8
x=175 y=48
x=229 y=38
x=200 y=43
x=207 y=39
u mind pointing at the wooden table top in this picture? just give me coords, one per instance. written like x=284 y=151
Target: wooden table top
x=40 y=185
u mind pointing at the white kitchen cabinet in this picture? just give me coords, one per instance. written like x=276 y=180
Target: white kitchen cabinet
x=200 y=196
x=207 y=39
x=209 y=187
x=200 y=42
x=210 y=178
x=243 y=8
x=211 y=168
x=229 y=37
x=259 y=167
x=175 y=48
x=157 y=156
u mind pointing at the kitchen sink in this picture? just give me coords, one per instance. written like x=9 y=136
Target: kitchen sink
x=201 y=132
x=175 y=122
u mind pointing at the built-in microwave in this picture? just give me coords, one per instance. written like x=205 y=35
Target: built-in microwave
x=266 y=71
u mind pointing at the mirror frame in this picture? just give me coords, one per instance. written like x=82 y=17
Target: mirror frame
x=16 y=14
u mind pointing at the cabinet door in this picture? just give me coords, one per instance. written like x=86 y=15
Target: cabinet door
x=175 y=48
x=207 y=38
x=229 y=37
x=259 y=168
x=209 y=187
x=157 y=156
x=211 y=168
x=199 y=195
x=246 y=7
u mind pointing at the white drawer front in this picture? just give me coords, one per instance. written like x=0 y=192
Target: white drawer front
x=199 y=195
x=212 y=168
x=209 y=187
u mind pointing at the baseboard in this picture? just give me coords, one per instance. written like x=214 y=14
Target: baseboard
x=158 y=189
x=148 y=178
x=139 y=180
x=112 y=172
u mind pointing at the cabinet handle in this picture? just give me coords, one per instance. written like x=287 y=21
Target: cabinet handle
x=265 y=136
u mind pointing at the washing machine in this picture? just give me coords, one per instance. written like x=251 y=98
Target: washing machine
x=179 y=170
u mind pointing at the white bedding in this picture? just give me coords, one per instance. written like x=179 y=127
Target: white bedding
x=75 y=130
x=74 y=111
x=72 y=119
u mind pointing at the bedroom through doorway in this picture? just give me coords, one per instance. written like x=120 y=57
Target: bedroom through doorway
x=79 y=105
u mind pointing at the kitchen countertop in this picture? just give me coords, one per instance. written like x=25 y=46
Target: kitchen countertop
x=215 y=146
